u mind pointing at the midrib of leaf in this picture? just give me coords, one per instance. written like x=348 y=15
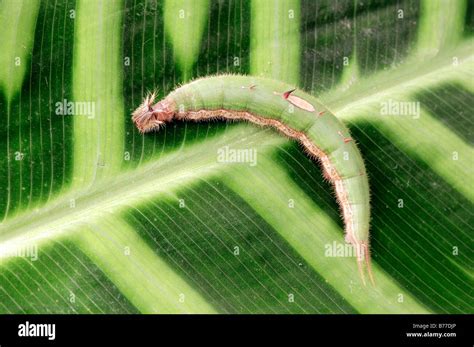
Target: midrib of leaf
x=110 y=195
x=404 y=79
x=363 y=103
x=92 y=206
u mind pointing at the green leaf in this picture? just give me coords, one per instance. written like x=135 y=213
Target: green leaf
x=98 y=218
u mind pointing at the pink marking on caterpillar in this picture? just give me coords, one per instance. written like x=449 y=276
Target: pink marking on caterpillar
x=285 y=95
x=345 y=139
x=251 y=87
x=297 y=101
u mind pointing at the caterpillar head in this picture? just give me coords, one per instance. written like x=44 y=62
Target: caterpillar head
x=149 y=116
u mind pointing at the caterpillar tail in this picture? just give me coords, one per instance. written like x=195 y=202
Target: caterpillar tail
x=364 y=263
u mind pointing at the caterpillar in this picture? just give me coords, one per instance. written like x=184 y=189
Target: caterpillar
x=295 y=114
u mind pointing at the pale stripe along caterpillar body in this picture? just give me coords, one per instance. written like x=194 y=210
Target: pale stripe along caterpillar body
x=293 y=113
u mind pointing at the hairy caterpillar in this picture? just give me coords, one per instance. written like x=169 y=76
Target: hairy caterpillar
x=292 y=112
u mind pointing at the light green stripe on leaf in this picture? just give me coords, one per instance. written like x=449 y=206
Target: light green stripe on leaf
x=148 y=282
x=185 y=21
x=439 y=147
x=17 y=22
x=97 y=87
x=441 y=25
x=350 y=74
x=275 y=39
